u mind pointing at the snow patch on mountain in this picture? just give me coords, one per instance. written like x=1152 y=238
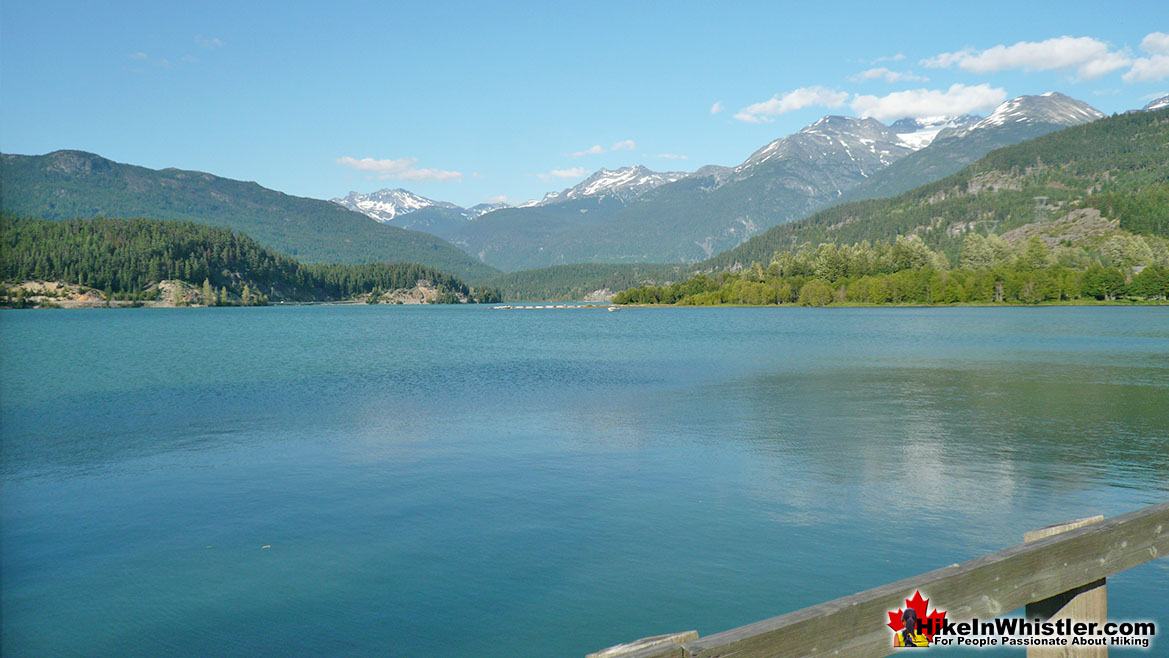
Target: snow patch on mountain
x=1051 y=107
x=1157 y=104
x=862 y=141
x=477 y=211
x=385 y=205
x=626 y=183
x=920 y=133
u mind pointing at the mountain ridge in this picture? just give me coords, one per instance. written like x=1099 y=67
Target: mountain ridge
x=1115 y=165
x=1013 y=121
x=69 y=184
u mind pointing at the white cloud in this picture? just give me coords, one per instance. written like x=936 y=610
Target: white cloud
x=145 y=59
x=592 y=150
x=670 y=156
x=575 y=172
x=498 y=198
x=210 y=43
x=1088 y=57
x=1104 y=65
x=889 y=76
x=947 y=60
x=401 y=168
x=791 y=101
x=717 y=107
x=895 y=58
x=1147 y=69
x=1156 y=43
x=1154 y=67
x=918 y=103
x=597 y=149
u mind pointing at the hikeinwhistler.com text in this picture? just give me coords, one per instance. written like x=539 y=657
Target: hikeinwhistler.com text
x=1018 y=632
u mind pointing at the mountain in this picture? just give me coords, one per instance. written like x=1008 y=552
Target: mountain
x=1066 y=182
x=386 y=205
x=958 y=145
x=409 y=211
x=635 y=215
x=405 y=209
x=866 y=143
x=480 y=209
x=438 y=220
x=1157 y=104
x=69 y=184
x=529 y=237
x=1052 y=109
x=920 y=133
x=626 y=184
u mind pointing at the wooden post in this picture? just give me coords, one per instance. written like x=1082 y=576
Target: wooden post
x=1064 y=560
x=1087 y=602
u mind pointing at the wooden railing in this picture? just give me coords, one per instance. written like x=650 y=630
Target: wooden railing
x=1059 y=568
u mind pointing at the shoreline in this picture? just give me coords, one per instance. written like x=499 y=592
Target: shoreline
x=1114 y=302
x=88 y=305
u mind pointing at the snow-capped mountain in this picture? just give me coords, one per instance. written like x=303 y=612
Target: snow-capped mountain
x=404 y=209
x=1157 y=104
x=478 y=210
x=1052 y=108
x=864 y=144
x=919 y=133
x=970 y=138
x=385 y=205
x=626 y=184
x=635 y=214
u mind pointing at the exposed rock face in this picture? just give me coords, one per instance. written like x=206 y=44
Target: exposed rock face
x=1078 y=227
x=602 y=296
x=423 y=292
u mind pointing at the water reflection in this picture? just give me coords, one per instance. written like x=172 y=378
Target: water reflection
x=593 y=477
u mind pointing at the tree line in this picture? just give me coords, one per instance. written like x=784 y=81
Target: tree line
x=1115 y=165
x=907 y=271
x=127 y=257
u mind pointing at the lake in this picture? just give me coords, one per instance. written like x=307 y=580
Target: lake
x=452 y=481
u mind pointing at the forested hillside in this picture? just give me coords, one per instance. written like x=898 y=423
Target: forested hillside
x=907 y=271
x=1116 y=165
x=128 y=257
x=576 y=282
x=75 y=184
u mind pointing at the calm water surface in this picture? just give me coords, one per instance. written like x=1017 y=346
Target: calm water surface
x=456 y=481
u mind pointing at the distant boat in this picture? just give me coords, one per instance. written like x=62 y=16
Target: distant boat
x=613 y=309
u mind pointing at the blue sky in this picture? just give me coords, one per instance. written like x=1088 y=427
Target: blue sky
x=471 y=101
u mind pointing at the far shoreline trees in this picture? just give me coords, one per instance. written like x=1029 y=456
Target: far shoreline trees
x=907 y=271
x=128 y=258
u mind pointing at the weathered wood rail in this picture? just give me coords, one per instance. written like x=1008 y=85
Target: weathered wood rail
x=1043 y=574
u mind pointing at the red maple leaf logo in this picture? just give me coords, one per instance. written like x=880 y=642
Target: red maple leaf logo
x=930 y=623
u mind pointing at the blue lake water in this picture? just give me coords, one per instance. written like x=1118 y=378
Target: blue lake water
x=452 y=481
